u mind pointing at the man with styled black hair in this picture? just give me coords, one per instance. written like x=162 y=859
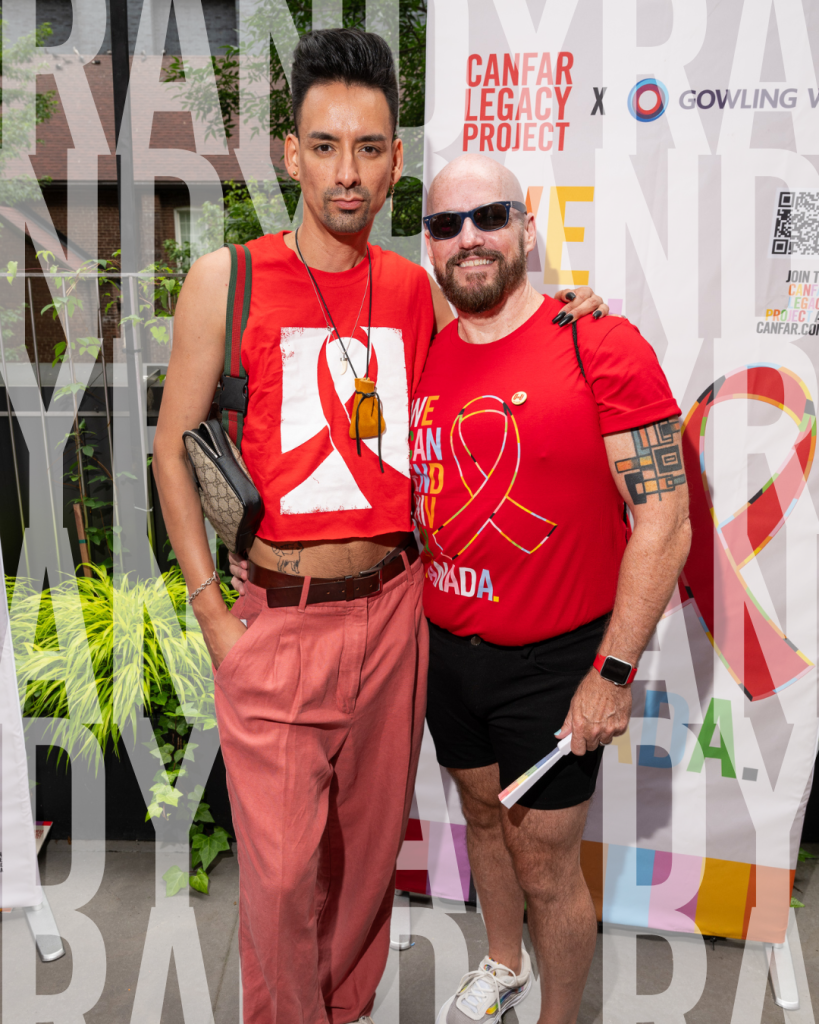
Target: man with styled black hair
x=343 y=55
x=321 y=667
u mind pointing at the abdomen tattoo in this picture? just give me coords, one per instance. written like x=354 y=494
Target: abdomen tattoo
x=657 y=468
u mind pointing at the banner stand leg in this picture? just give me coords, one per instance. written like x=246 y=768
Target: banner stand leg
x=783 y=976
x=44 y=929
x=400 y=937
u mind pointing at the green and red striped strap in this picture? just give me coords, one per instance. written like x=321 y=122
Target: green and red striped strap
x=238 y=307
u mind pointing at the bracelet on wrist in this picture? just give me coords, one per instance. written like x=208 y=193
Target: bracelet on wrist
x=207 y=583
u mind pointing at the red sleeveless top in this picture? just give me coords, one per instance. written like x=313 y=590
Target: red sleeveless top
x=296 y=441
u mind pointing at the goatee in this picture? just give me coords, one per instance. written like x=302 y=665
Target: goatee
x=482 y=294
x=347 y=222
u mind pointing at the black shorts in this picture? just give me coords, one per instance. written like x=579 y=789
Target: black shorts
x=488 y=704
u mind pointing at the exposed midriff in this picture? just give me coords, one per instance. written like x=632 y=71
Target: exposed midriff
x=323 y=558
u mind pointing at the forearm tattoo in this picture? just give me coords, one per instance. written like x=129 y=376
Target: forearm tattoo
x=657 y=468
x=288 y=558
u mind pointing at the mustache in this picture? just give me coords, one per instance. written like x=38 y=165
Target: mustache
x=359 y=192
x=480 y=253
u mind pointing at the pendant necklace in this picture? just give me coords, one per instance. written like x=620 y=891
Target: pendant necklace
x=345 y=357
x=367 y=420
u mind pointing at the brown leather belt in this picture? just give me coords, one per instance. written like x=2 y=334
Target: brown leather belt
x=284 y=592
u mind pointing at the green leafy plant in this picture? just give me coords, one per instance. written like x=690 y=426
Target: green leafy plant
x=206 y=841
x=146 y=656
x=94 y=481
x=157 y=290
x=244 y=208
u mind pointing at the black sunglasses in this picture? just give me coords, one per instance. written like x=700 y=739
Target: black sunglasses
x=491 y=217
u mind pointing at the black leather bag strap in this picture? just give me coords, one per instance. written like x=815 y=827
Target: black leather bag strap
x=233 y=392
x=577 y=351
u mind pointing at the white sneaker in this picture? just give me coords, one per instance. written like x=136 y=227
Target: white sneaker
x=486 y=994
x=362 y=1020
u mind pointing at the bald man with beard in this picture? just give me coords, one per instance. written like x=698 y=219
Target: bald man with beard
x=531 y=435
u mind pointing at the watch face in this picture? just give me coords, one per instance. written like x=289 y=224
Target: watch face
x=616 y=671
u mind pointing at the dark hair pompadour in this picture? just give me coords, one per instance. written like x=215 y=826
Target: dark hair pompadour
x=343 y=55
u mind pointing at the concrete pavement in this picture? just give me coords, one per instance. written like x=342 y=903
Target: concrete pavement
x=448 y=939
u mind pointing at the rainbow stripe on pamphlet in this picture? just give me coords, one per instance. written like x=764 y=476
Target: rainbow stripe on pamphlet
x=524 y=783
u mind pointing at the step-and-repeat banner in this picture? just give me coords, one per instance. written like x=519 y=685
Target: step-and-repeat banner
x=670 y=158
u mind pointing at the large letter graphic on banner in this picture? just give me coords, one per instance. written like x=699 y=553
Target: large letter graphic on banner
x=753 y=34
x=647 y=755
x=557 y=233
x=19 y=884
x=622 y=1004
x=21 y=1000
x=754 y=650
x=718 y=716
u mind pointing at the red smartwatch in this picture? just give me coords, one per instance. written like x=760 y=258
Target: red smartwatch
x=621 y=673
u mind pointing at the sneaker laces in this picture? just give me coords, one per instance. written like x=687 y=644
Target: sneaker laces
x=482 y=984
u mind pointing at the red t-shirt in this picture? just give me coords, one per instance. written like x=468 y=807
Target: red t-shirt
x=296 y=441
x=521 y=520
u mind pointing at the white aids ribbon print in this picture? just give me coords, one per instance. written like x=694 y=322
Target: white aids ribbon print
x=331 y=487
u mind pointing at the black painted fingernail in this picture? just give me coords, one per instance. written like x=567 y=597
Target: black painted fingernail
x=597 y=314
x=567 y=319
x=570 y=296
x=560 y=320
x=556 y=318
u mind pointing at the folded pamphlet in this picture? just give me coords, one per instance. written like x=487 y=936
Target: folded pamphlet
x=515 y=790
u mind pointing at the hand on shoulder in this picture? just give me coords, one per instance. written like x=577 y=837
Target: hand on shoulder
x=581 y=301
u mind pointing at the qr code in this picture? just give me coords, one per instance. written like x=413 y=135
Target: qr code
x=796 y=229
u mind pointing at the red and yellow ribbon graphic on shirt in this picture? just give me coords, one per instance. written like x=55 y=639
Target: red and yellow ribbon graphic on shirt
x=751 y=646
x=490 y=503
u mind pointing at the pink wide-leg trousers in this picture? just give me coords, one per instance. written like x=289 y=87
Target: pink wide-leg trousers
x=321 y=714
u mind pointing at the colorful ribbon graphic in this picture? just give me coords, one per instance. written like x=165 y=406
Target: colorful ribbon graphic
x=751 y=646
x=491 y=503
